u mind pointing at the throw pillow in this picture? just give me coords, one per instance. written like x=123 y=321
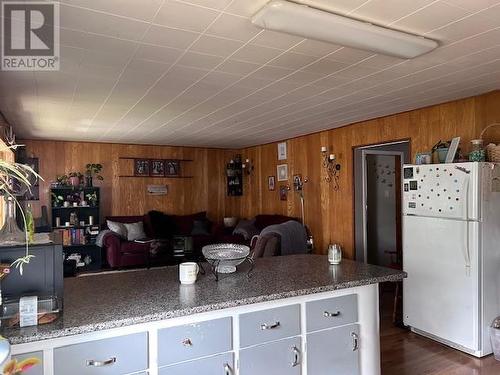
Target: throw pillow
x=246 y=228
x=200 y=227
x=135 y=231
x=117 y=228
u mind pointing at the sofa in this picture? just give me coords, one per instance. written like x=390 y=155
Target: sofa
x=160 y=226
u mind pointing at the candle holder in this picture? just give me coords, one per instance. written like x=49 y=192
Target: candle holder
x=332 y=168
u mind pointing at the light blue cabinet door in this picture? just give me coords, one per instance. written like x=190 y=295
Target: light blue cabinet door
x=334 y=351
x=191 y=341
x=263 y=326
x=114 y=356
x=35 y=370
x=276 y=358
x=222 y=364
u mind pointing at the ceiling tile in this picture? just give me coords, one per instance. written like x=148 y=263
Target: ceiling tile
x=143 y=10
x=474 y=5
x=462 y=29
x=256 y=54
x=387 y=11
x=276 y=39
x=292 y=60
x=101 y=23
x=315 y=48
x=200 y=61
x=216 y=46
x=233 y=27
x=185 y=16
x=271 y=73
x=430 y=18
x=325 y=67
x=167 y=37
x=349 y=55
x=246 y=8
x=337 y=6
x=165 y=55
x=237 y=67
x=214 y=4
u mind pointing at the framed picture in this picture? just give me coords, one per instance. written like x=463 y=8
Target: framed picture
x=157 y=168
x=283 y=192
x=282 y=172
x=172 y=168
x=282 y=151
x=271 y=183
x=297 y=182
x=141 y=167
x=452 y=151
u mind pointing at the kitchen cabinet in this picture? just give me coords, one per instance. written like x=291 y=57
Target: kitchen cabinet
x=334 y=351
x=222 y=364
x=35 y=370
x=276 y=358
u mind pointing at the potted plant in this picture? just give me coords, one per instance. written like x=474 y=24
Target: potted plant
x=75 y=178
x=441 y=149
x=92 y=170
x=22 y=174
x=62 y=180
x=92 y=198
x=57 y=199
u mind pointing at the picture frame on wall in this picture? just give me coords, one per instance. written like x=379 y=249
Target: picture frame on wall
x=172 y=168
x=271 y=183
x=283 y=192
x=141 y=167
x=282 y=172
x=157 y=168
x=282 y=151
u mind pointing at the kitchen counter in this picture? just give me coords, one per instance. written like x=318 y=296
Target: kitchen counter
x=105 y=301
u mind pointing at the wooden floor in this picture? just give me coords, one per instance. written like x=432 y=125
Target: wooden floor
x=405 y=353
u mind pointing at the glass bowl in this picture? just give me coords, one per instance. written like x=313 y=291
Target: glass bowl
x=225 y=256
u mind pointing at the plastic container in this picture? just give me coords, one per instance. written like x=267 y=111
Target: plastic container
x=495 y=338
x=477 y=152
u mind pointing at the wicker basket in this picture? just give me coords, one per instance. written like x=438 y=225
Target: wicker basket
x=492 y=150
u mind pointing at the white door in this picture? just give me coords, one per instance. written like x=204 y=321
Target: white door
x=440 y=295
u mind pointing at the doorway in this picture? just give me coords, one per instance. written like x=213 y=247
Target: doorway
x=378 y=184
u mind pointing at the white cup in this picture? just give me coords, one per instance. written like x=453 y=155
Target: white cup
x=188 y=272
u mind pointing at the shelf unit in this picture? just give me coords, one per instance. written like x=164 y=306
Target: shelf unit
x=83 y=212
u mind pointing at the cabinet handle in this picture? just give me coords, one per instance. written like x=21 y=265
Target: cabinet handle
x=296 y=356
x=227 y=369
x=355 y=341
x=187 y=342
x=269 y=326
x=107 y=362
x=328 y=314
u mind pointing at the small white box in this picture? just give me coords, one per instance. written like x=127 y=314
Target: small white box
x=28 y=311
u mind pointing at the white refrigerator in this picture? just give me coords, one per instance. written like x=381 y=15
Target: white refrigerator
x=451 y=252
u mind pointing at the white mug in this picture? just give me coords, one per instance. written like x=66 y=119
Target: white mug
x=188 y=272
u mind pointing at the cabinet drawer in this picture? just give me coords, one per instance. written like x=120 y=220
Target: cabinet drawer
x=113 y=356
x=219 y=365
x=334 y=351
x=268 y=325
x=331 y=312
x=35 y=370
x=190 y=341
x=276 y=358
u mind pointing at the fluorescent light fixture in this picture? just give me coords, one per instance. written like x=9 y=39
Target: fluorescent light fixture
x=307 y=22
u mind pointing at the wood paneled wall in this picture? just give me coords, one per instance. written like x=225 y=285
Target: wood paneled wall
x=329 y=213
x=128 y=196
x=7 y=155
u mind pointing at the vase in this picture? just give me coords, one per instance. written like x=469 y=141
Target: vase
x=88 y=181
x=10 y=234
x=74 y=181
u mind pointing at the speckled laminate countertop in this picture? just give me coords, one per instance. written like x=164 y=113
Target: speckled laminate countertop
x=113 y=300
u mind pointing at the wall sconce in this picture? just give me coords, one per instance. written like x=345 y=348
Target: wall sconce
x=332 y=167
x=248 y=166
